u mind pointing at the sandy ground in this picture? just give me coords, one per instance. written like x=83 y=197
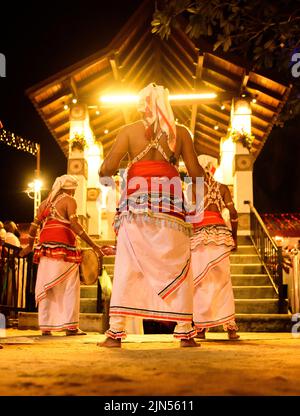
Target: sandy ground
x=149 y=365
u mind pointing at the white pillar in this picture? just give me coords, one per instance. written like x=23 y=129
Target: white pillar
x=80 y=138
x=77 y=166
x=225 y=173
x=243 y=186
x=94 y=159
x=242 y=164
x=236 y=163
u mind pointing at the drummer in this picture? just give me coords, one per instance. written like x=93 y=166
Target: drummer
x=57 y=290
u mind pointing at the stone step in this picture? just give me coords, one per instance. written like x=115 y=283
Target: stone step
x=92 y=322
x=250 y=279
x=245 y=249
x=246 y=322
x=105 y=242
x=261 y=323
x=244 y=239
x=88 y=305
x=88 y=291
x=254 y=292
x=108 y=260
x=244 y=259
x=251 y=306
x=243 y=268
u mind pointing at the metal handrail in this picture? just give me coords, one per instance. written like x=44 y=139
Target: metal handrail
x=17 y=280
x=270 y=255
x=259 y=219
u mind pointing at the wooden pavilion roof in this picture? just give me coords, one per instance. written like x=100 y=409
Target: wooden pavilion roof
x=132 y=60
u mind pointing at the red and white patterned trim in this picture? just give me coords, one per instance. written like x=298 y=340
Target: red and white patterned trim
x=62 y=327
x=144 y=313
x=115 y=334
x=176 y=282
x=212 y=234
x=185 y=335
x=57 y=251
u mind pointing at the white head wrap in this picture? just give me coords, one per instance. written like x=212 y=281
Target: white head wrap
x=63 y=182
x=154 y=103
x=209 y=163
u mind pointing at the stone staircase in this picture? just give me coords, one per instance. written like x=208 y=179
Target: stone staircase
x=256 y=301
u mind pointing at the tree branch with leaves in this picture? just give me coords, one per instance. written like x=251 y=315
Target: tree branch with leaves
x=264 y=33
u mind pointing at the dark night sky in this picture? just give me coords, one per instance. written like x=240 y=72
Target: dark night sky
x=40 y=38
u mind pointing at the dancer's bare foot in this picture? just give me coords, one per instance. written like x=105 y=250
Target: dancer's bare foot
x=70 y=332
x=188 y=343
x=232 y=334
x=110 y=343
x=200 y=335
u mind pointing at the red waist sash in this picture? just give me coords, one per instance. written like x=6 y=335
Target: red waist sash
x=152 y=168
x=148 y=169
x=210 y=218
x=57 y=231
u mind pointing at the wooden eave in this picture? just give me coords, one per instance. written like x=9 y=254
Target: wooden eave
x=133 y=59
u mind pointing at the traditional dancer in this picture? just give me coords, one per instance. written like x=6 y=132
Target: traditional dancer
x=152 y=278
x=57 y=290
x=211 y=246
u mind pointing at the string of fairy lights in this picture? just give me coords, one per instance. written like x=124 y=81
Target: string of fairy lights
x=18 y=142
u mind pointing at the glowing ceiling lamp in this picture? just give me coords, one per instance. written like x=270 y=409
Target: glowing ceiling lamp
x=191 y=97
x=119 y=99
